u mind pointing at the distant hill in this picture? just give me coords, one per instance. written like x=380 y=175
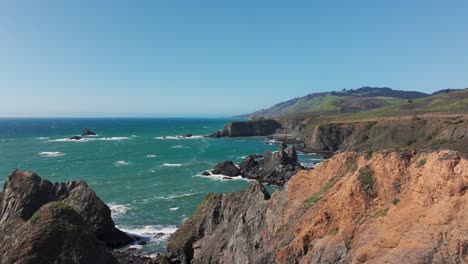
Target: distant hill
x=352 y=101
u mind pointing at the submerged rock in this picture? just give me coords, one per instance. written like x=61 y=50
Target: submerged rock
x=75 y=138
x=205 y=173
x=188 y=135
x=87 y=132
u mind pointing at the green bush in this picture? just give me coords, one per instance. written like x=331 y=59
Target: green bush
x=421 y=162
x=395 y=201
x=366 y=178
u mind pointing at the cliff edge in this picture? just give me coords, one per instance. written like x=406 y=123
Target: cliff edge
x=384 y=207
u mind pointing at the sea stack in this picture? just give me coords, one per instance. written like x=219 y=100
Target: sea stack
x=87 y=132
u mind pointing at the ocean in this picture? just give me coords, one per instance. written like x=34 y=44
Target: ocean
x=149 y=178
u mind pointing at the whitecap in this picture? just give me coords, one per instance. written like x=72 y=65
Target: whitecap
x=83 y=139
x=51 y=154
x=121 y=163
x=179 y=147
x=174 y=208
x=171 y=197
x=171 y=165
x=42 y=138
x=149 y=233
x=118 y=209
x=221 y=177
x=180 y=137
x=151 y=156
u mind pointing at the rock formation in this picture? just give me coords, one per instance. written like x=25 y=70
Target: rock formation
x=248 y=128
x=87 y=132
x=418 y=132
x=75 y=138
x=275 y=167
x=226 y=168
x=24 y=193
x=53 y=234
x=384 y=207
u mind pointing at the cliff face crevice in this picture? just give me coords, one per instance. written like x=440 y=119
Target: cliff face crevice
x=421 y=133
x=383 y=207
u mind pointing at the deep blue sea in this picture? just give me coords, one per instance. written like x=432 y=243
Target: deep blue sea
x=151 y=183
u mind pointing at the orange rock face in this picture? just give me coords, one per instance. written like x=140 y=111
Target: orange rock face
x=415 y=210
x=383 y=207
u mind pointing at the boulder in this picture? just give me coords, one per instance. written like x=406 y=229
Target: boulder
x=53 y=234
x=25 y=192
x=87 y=132
x=188 y=135
x=226 y=168
x=248 y=163
x=205 y=173
x=75 y=138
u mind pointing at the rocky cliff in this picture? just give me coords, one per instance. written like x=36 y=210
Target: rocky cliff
x=418 y=132
x=250 y=128
x=384 y=207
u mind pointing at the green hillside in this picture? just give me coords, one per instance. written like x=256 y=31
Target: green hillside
x=367 y=102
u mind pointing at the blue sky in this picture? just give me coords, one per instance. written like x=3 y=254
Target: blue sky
x=217 y=58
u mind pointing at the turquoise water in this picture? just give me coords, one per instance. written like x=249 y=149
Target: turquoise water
x=152 y=184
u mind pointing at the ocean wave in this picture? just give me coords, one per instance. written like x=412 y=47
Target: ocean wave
x=221 y=177
x=89 y=139
x=180 y=137
x=174 y=208
x=122 y=163
x=151 y=156
x=118 y=209
x=171 y=165
x=42 y=138
x=51 y=154
x=179 y=147
x=171 y=197
x=148 y=233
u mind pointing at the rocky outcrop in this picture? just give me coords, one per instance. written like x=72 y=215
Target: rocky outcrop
x=75 y=138
x=25 y=192
x=384 y=207
x=225 y=228
x=55 y=233
x=276 y=167
x=87 y=132
x=418 y=132
x=250 y=128
x=226 y=168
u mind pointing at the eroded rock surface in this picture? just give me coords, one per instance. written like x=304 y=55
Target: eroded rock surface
x=25 y=192
x=385 y=207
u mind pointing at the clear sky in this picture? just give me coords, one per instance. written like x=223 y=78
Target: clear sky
x=217 y=58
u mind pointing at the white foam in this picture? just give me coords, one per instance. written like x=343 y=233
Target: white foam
x=171 y=165
x=118 y=209
x=221 y=177
x=42 y=138
x=83 y=139
x=151 y=156
x=121 y=163
x=149 y=233
x=180 y=137
x=174 y=208
x=179 y=147
x=51 y=154
x=171 y=197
